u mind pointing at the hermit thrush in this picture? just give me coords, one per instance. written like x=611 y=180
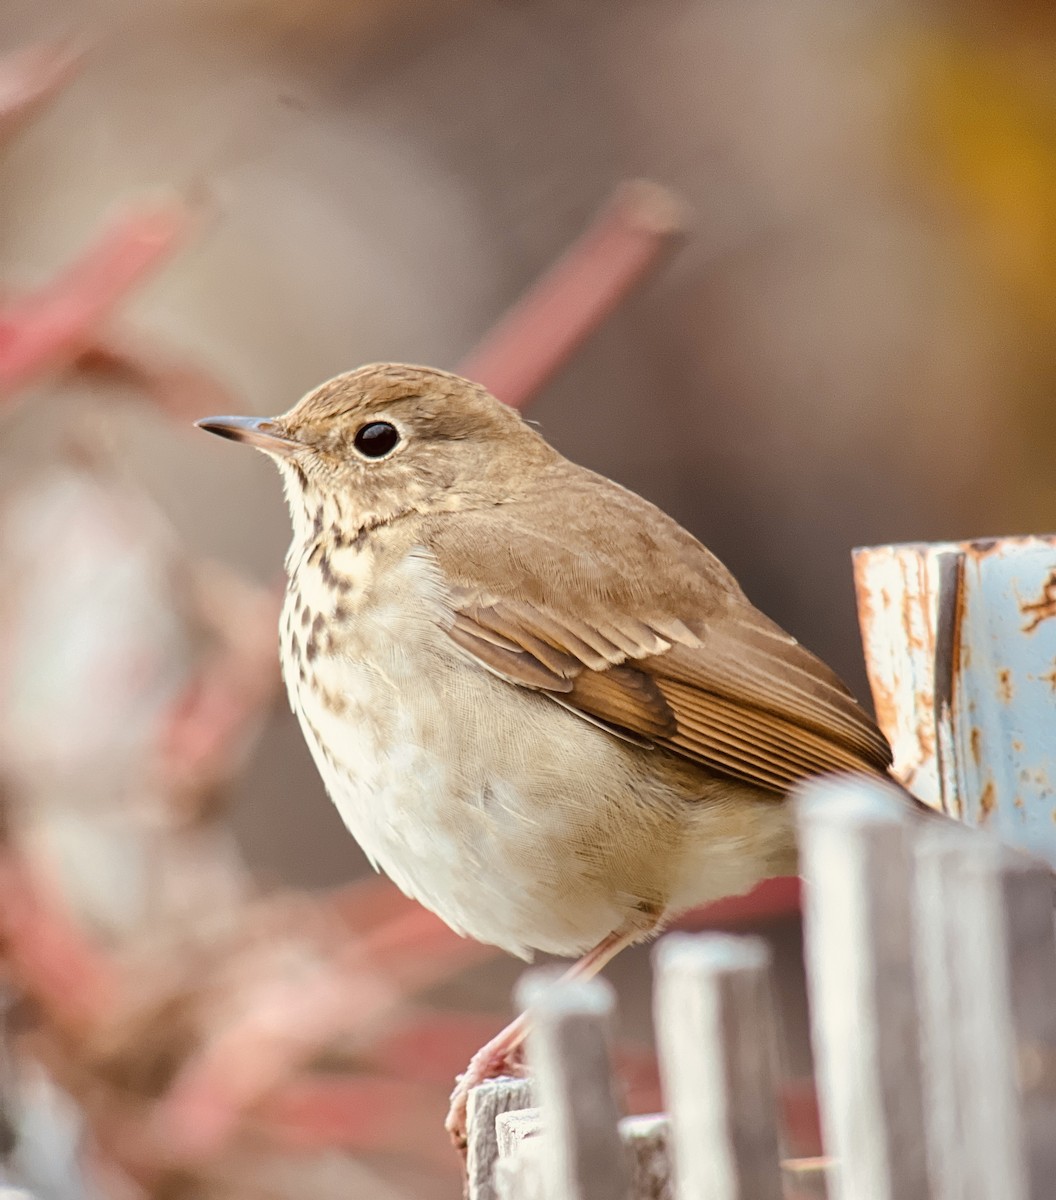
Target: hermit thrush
x=542 y=707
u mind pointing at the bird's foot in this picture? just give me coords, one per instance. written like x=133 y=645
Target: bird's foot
x=503 y=1055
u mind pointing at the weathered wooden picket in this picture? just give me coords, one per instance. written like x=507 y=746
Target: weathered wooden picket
x=931 y=965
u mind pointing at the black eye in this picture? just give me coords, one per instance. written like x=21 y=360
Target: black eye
x=376 y=439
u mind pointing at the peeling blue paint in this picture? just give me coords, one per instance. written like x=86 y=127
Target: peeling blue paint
x=1004 y=692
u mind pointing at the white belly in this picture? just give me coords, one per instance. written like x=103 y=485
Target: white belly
x=514 y=821
x=453 y=831
x=433 y=774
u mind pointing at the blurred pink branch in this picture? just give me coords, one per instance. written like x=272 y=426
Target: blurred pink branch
x=370 y=975
x=49 y=956
x=284 y=1024
x=30 y=78
x=51 y=327
x=60 y=325
x=415 y=946
x=630 y=238
x=364 y=1114
x=208 y=729
x=127 y=358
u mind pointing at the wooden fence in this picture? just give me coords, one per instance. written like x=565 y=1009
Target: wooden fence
x=931 y=964
x=930 y=948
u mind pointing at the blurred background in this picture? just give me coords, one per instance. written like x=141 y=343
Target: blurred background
x=853 y=344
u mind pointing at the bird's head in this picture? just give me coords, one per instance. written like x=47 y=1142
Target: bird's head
x=388 y=440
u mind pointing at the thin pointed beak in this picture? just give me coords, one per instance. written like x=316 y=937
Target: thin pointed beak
x=252 y=431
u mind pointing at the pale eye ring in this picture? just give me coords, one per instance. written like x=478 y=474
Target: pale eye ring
x=377 y=439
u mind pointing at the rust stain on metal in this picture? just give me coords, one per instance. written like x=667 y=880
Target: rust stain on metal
x=885 y=704
x=913 y=640
x=987 y=802
x=1037 y=776
x=1050 y=678
x=1004 y=684
x=983 y=547
x=1041 y=610
x=866 y=612
x=1017 y=745
x=1018 y=802
x=925 y=732
x=884 y=701
x=975 y=741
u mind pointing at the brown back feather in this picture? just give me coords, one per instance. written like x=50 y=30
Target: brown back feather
x=588 y=593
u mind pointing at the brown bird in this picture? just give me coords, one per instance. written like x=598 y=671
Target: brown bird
x=541 y=706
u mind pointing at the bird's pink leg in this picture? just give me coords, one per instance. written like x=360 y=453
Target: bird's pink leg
x=504 y=1054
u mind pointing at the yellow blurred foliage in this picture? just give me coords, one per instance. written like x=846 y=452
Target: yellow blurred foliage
x=984 y=124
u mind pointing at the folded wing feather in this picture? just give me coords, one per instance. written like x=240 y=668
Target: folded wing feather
x=672 y=655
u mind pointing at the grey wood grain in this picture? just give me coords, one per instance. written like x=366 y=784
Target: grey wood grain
x=568 y=1051
x=717 y=1042
x=858 y=918
x=486 y=1103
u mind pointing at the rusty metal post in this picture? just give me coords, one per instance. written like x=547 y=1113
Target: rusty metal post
x=960 y=645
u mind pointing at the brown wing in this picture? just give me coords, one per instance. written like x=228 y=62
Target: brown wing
x=591 y=595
